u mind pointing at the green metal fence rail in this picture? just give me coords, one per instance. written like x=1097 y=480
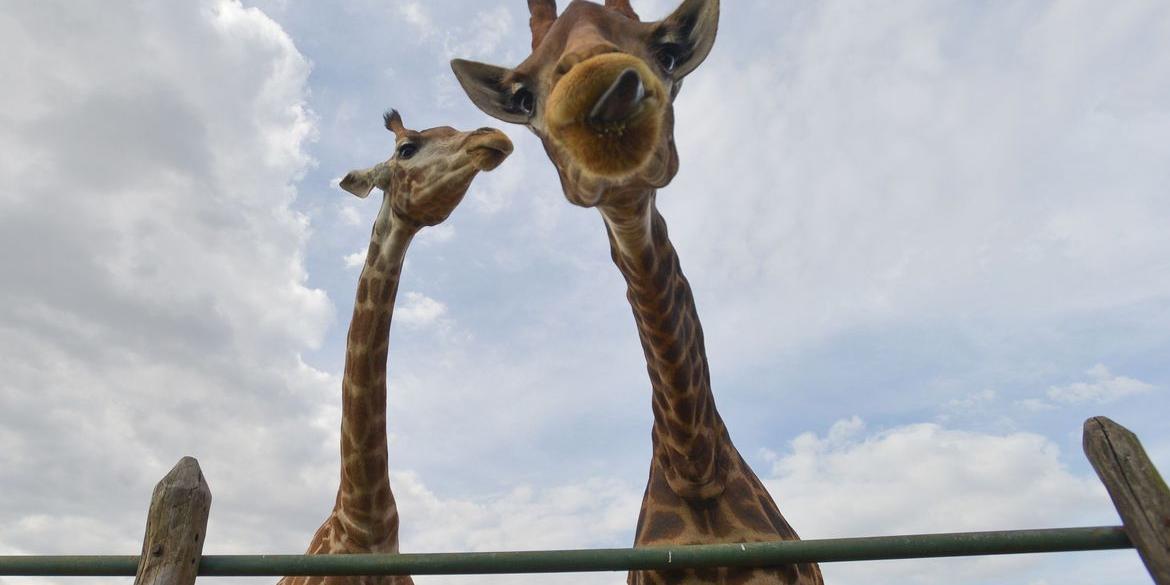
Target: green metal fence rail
x=177 y=521
x=757 y=554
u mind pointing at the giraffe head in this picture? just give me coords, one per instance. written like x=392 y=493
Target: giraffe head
x=598 y=90
x=430 y=171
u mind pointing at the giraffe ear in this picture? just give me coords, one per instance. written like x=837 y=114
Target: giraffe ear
x=361 y=182
x=484 y=85
x=689 y=32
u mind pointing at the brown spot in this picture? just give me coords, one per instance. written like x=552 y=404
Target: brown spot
x=359 y=371
x=749 y=514
x=740 y=576
x=646 y=257
x=671 y=353
x=362 y=291
x=680 y=379
x=360 y=501
x=664 y=525
x=705 y=513
x=701 y=451
x=674 y=577
x=788 y=573
x=697 y=375
x=738 y=490
x=375 y=470
x=372 y=254
x=659 y=489
x=655 y=377
x=683 y=298
x=359 y=328
x=375 y=441
x=664 y=276
x=707 y=575
x=683 y=405
x=382 y=499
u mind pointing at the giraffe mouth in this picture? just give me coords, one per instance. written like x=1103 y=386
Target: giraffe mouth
x=488 y=148
x=607 y=113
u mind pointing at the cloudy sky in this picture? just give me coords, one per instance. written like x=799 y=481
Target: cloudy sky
x=927 y=240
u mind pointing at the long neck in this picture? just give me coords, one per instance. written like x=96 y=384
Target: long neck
x=688 y=431
x=365 y=505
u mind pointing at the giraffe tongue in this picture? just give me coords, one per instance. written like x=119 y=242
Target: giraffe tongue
x=620 y=102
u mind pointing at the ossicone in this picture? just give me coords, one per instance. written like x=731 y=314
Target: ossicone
x=393 y=121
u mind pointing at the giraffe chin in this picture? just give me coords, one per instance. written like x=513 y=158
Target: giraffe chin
x=614 y=150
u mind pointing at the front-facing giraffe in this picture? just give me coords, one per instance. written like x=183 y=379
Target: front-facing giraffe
x=598 y=90
x=422 y=183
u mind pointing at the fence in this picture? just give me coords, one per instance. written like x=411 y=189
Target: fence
x=171 y=553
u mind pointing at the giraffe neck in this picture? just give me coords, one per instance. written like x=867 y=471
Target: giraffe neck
x=365 y=508
x=688 y=430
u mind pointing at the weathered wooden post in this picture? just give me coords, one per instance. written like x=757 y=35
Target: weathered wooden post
x=1138 y=492
x=175 y=527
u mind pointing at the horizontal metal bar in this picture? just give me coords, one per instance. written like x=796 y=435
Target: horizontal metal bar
x=754 y=554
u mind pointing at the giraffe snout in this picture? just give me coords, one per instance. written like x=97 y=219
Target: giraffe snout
x=488 y=148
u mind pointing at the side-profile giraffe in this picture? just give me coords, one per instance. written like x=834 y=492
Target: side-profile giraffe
x=423 y=182
x=598 y=90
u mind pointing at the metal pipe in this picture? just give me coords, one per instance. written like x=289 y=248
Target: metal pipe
x=755 y=554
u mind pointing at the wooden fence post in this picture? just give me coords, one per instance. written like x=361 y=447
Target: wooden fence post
x=1138 y=492
x=175 y=527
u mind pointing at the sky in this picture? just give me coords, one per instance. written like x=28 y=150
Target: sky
x=926 y=239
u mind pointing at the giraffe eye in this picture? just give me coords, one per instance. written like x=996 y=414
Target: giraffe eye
x=523 y=101
x=407 y=150
x=667 y=57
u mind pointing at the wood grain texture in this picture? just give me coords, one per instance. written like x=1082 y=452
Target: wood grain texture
x=175 y=527
x=1138 y=491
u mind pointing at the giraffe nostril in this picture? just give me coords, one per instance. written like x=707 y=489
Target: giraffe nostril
x=621 y=101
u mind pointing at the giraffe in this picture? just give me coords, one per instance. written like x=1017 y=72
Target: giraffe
x=423 y=182
x=598 y=89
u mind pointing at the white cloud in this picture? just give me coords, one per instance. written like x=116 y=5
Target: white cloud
x=893 y=169
x=972 y=402
x=349 y=215
x=1104 y=387
x=356 y=259
x=483 y=36
x=418 y=310
x=150 y=160
x=924 y=478
x=1035 y=404
x=417 y=16
x=889 y=167
x=590 y=513
x=438 y=234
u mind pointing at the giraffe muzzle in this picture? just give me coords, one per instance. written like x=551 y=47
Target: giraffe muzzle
x=620 y=102
x=607 y=113
x=488 y=148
